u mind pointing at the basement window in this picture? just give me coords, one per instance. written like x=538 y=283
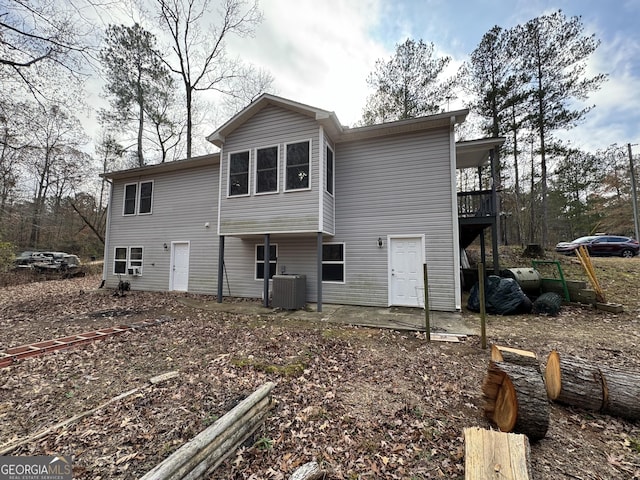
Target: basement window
x=273 y=261
x=333 y=262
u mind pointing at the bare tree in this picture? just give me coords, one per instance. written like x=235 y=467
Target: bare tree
x=198 y=46
x=36 y=35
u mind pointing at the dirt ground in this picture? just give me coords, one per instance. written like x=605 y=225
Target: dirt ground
x=366 y=403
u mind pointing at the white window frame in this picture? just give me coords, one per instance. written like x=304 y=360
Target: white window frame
x=116 y=260
x=229 y=174
x=255 y=170
x=136 y=206
x=286 y=165
x=334 y=262
x=333 y=171
x=271 y=262
x=129 y=263
x=135 y=200
x=139 y=198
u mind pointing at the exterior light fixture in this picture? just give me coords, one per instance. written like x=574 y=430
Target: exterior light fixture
x=165 y=246
x=379 y=242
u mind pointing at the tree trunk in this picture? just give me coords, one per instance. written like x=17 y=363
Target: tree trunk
x=580 y=383
x=516 y=400
x=574 y=382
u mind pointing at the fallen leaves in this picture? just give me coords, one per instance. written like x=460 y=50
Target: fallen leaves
x=368 y=403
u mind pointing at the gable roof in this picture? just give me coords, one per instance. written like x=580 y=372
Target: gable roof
x=327 y=119
x=332 y=125
x=193 y=162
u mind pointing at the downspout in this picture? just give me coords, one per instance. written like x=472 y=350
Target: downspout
x=107 y=233
x=220 y=266
x=319 y=272
x=454 y=220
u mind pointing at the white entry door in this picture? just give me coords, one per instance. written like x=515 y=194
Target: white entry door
x=179 y=266
x=405 y=271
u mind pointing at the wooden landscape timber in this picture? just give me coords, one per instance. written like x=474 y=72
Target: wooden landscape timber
x=495 y=455
x=580 y=383
x=207 y=450
x=516 y=399
x=516 y=356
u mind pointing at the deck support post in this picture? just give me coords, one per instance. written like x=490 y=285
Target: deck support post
x=267 y=260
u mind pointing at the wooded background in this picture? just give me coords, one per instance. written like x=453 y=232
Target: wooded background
x=522 y=83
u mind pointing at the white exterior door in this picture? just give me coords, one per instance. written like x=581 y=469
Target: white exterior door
x=179 y=266
x=405 y=271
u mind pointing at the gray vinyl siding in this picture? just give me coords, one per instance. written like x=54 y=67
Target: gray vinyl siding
x=239 y=260
x=328 y=210
x=183 y=201
x=394 y=186
x=292 y=211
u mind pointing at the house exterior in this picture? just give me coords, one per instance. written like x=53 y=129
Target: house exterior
x=356 y=211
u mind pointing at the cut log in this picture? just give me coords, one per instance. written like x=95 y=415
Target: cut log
x=573 y=381
x=514 y=355
x=621 y=394
x=580 y=383
x=495 y=455
x=516 y=399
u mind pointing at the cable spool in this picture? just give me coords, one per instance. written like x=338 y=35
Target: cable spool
x=528 y=278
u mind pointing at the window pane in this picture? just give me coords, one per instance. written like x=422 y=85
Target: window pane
x=239 y=173
x=329 y=170
x=136 y=253
x=120 y=261
x=260 y=270
x=333 y=252
x=298 y=165
x=146 y=192
x=333 y=272
x=267 y=170
x=130 y=199
x=272 y=253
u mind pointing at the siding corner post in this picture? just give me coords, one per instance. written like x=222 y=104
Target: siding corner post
x=319 y=273
x=220 y=267
x=267 y=259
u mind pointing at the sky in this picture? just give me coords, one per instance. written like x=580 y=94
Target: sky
x=320 y=52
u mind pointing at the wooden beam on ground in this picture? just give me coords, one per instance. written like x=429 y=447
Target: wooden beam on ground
x=495 y=455
x=207 y=450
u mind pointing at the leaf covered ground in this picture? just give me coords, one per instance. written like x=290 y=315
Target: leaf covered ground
x=366 y=403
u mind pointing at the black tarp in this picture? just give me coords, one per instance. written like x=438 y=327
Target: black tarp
x=503 y=296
